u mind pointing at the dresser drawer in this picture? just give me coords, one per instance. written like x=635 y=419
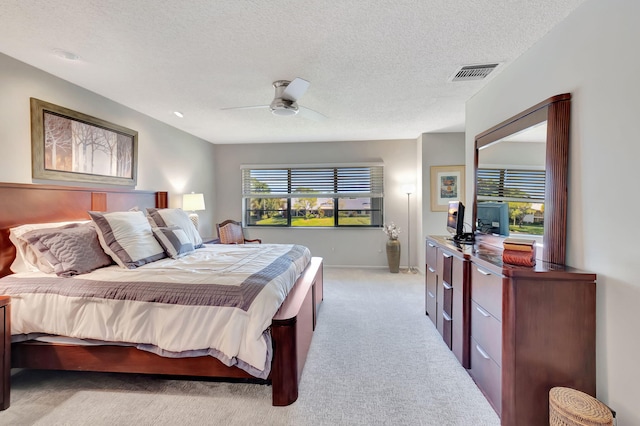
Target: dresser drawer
x=447 y=324
x=486 y=290
x=432 y=253
x=431 y=291
x=487 y=375
x=486 y=330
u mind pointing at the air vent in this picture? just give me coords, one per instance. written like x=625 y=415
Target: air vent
x=473 y=72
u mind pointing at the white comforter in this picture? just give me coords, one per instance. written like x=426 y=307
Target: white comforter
x=233 y=332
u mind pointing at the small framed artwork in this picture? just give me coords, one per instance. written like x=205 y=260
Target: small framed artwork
x=71 y=146
x=447 y=184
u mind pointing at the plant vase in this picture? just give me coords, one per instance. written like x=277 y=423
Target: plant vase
x=393 y=255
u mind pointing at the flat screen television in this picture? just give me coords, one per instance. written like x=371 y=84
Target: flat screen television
x=455 y=218
x=492 y=218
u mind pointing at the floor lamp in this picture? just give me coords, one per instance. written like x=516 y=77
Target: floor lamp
x=408 y=189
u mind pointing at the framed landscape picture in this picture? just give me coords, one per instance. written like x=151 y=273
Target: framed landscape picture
x=447 y=184
x=71 y=146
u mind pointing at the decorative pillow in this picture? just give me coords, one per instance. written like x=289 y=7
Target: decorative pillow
x=26 y=259
x=174 y=241
x=176 y=217
x=68 y=250
x=127 y=238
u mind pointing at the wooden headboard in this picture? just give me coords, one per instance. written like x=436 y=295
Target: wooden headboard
x=29 y=203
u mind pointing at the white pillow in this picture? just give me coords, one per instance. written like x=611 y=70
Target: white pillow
x=26 y=258
x=127 y=238
x=176 y=217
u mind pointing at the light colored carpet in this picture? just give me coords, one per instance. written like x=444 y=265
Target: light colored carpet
x=375 y=359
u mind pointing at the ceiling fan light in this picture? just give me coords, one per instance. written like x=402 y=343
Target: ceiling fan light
x=284 y=112
x=283 y=107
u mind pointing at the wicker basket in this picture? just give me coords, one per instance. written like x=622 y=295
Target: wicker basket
x=570 y=407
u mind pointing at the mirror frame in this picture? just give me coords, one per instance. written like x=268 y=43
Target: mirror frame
x=557 y=112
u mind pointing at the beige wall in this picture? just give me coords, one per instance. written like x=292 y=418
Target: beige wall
x=169 y=159
x=593 y=55
x=440 y=149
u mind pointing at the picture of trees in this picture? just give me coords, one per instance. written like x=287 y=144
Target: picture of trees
x=75 y=146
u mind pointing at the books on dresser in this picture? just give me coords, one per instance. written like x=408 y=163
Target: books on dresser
x=517 y=251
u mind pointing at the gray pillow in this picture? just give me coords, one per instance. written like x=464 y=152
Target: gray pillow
x=68 y=250
x=174 y=241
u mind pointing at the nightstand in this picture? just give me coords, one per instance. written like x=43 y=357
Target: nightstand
x=5 y=351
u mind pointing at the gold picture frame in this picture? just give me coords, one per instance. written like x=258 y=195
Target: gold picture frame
x=447 y=184
x=70 y=146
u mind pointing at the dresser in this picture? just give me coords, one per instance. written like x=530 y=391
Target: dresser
x=518 y=331
x=446 y=286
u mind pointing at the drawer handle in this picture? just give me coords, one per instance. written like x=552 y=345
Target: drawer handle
x=431 y=294
x=431 y=244
x=431 y=269
x=483 y=353
x=446 y=286
x=446 y=316
x=447 y=255
x=483 y=272
x=483 y=312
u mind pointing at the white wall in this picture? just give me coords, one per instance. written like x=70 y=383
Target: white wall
x=344 y=246
x=594 y=55
x=168 y=159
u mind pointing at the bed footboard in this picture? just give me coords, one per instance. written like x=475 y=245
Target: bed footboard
x=292 y=330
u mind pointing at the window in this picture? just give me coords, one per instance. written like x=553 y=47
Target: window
x=313 y=196
x=523 y=190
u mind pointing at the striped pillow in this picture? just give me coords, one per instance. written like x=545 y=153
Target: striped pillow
x=127 y=238
x=176 y=217
x=174 y=241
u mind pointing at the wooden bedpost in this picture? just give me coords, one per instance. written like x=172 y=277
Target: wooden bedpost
x=162 y=199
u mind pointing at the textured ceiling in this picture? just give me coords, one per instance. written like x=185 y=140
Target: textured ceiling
x=378 y=69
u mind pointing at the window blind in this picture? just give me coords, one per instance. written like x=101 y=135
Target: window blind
x=330 y=182
x=511 y=185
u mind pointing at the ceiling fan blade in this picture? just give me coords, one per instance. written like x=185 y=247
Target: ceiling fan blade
x=295 y=89
x=245 y=107
x=311 y=114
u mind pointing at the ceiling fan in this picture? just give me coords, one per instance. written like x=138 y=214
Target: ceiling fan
x=285 y=101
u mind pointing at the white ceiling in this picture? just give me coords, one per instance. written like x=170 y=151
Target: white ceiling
x=378 y=69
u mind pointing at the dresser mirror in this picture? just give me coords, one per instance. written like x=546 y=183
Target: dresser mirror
x=522 y=163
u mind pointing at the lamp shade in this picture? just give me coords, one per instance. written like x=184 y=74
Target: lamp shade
x=408 y=188
x=193 y=202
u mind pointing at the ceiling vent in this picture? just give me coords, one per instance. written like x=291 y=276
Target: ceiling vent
x=473 y=72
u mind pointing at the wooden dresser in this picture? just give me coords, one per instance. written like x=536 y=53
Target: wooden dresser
x=519 y=331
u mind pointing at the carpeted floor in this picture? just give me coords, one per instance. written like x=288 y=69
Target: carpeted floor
x=375 y=359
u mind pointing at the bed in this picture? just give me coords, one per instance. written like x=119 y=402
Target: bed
x=286 y=340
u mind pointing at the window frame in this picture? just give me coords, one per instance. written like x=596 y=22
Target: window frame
x=333 y=182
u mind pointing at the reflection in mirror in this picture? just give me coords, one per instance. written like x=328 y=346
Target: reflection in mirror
x=523 y=162
x=511 y=185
